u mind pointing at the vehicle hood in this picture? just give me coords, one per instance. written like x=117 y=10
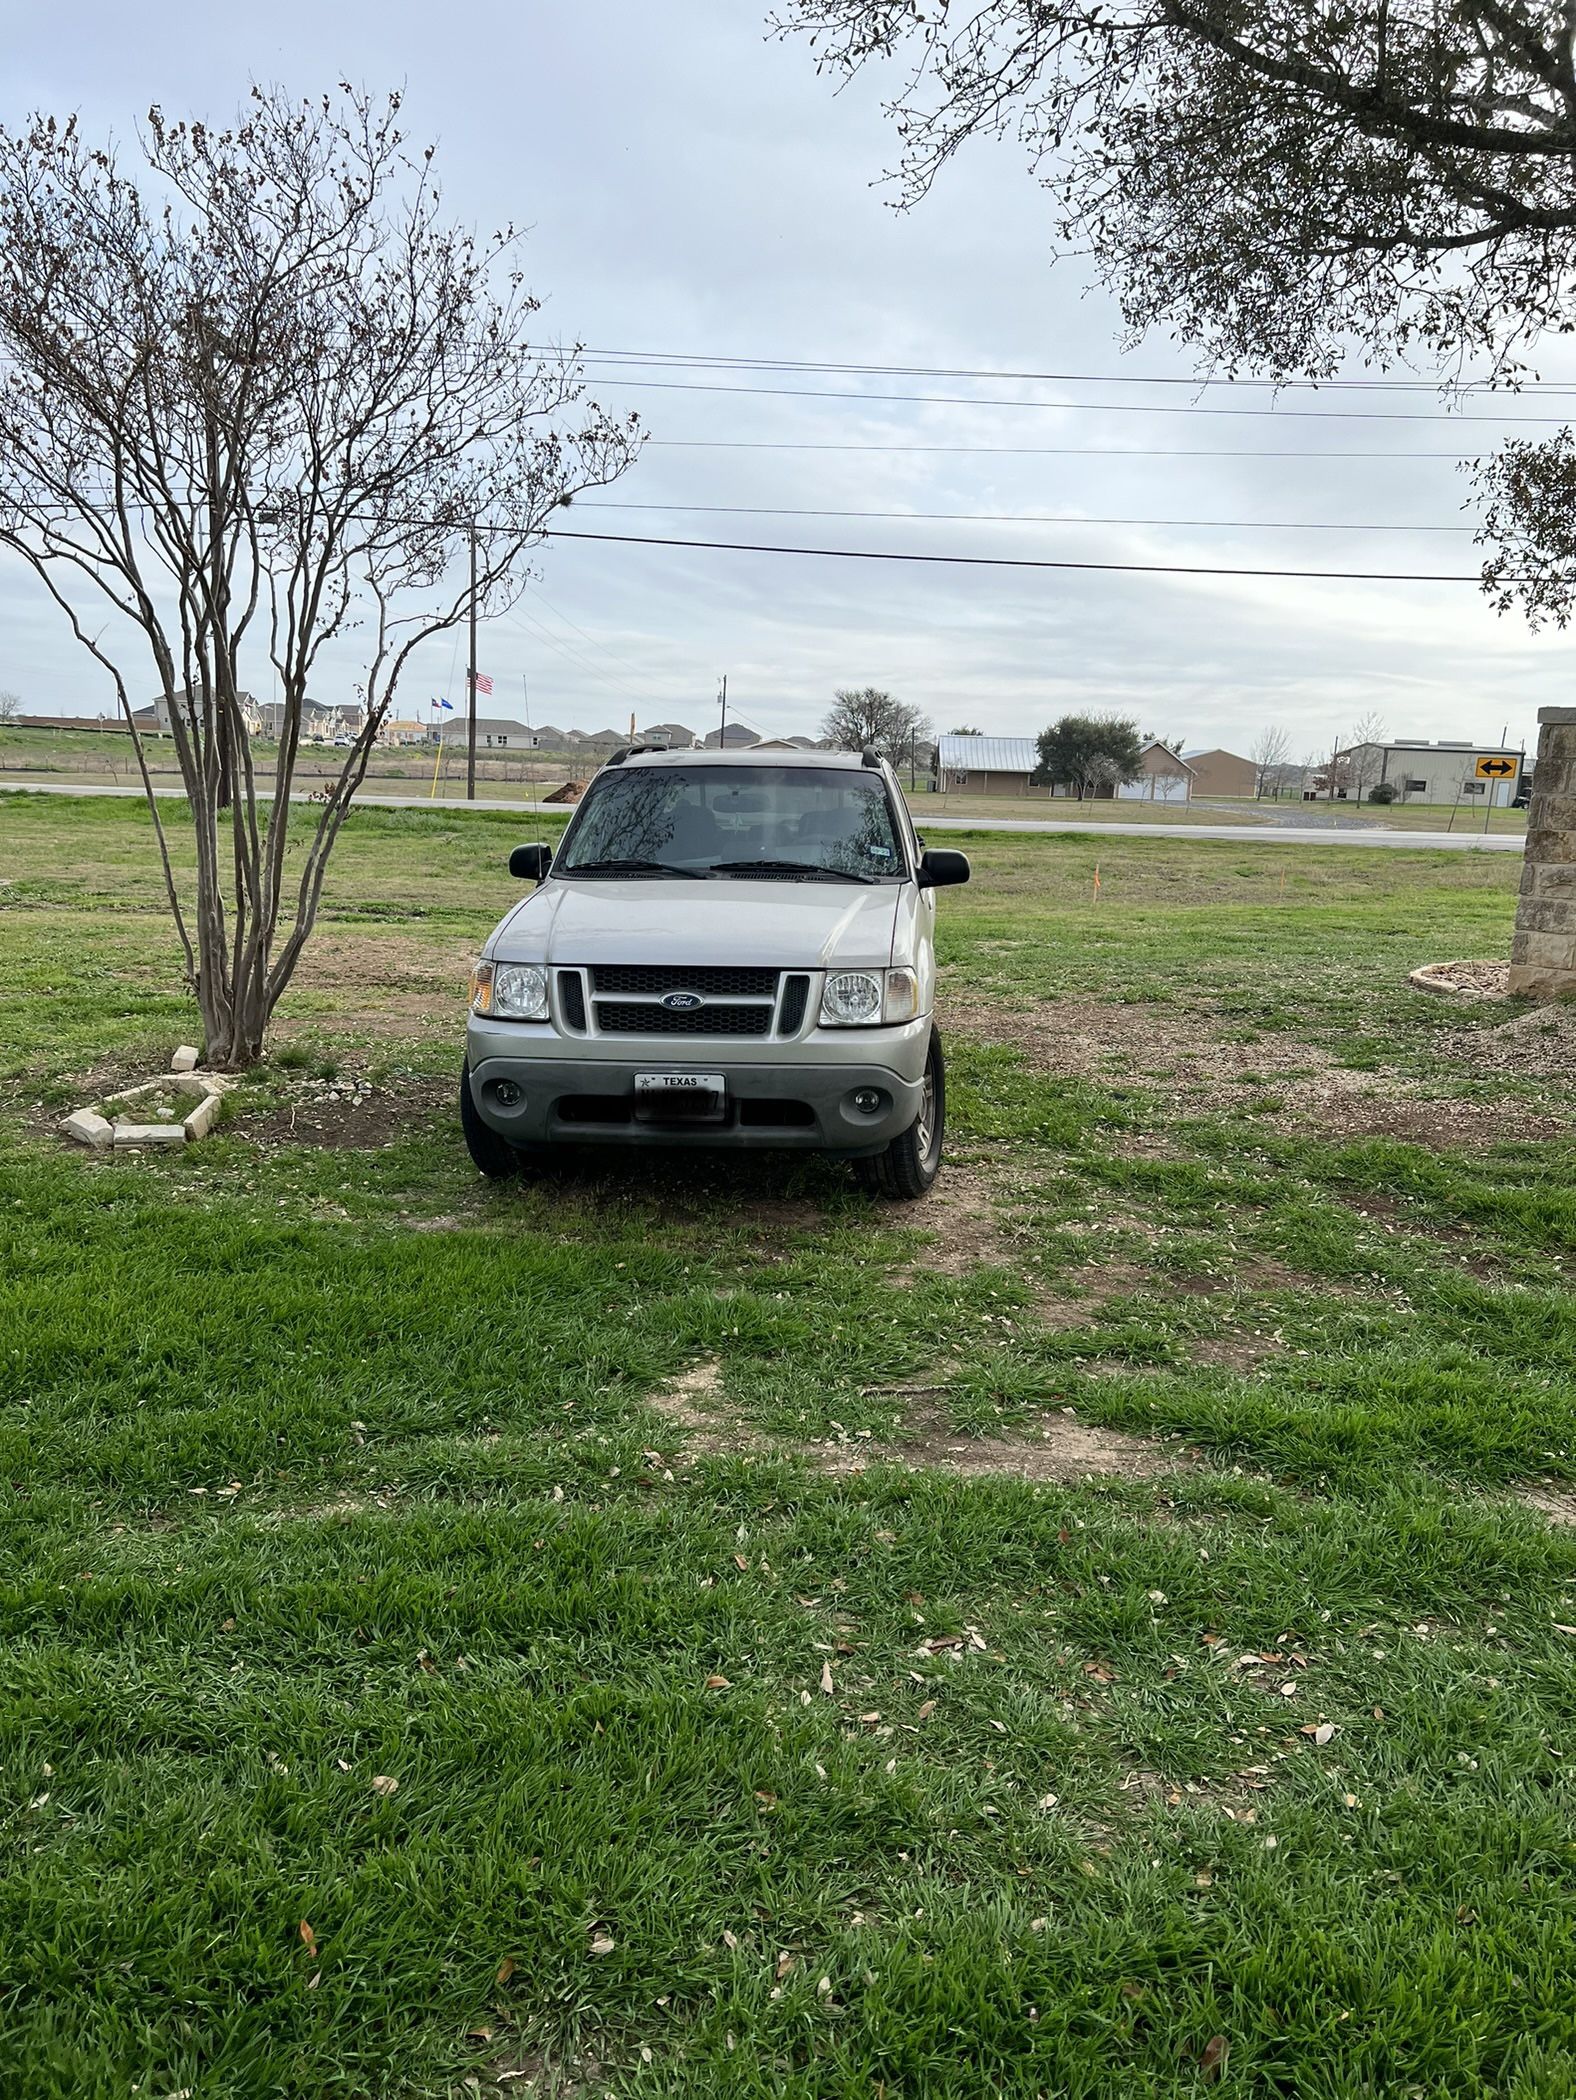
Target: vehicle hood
x=732 y=922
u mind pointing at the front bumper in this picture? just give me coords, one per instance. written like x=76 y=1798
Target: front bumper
x=772 y=1103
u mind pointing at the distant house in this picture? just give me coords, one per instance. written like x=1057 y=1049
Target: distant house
x=1163 y=776
x=493 y=733
x=668 y=736
x=985 y=765
x=319 y=718
x=734 y=738
x=1222 y=773
x=405 y=731
x=156 y=715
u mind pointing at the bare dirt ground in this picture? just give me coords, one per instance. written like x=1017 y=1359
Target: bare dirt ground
x=1198 y=1069
x=1058 y=1447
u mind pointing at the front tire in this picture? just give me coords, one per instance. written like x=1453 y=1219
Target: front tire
x=907 y=1169
x=490 y=1154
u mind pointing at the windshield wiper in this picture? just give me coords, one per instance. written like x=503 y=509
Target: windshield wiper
x=807 y=868
x=618 y=866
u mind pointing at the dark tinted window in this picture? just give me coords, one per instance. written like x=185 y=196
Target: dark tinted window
x=704 y=817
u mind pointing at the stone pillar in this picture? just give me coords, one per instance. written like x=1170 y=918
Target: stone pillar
x=1543 y=953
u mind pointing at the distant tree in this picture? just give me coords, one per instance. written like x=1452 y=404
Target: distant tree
x=10 y=706
x=863 y=718
x=1087 y=752
x=258 y=399
x=1383 y=792
x=1279 y=183
x=965 y=729
x=1269 y=755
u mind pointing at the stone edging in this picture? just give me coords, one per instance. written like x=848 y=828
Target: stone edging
x=99 y=1131
x=1445 y=978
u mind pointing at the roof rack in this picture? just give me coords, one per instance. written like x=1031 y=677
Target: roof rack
x=869 y=758
x=617 y=758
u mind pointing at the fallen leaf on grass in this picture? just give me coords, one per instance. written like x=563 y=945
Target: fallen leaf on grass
x=785 y=1963
x=927 y=1710
x=1558 y=1628
x=1321 y=1731
x=308 y=1938
x=715 y=1683
x=1212 y=2061
x=1102 y=1673
x=729 y=1939
x=826 y=1678
x=384 y=1785
x=506 y=1968
x=602 y=1943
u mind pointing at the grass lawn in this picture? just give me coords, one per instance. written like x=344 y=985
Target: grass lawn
x=677 y=1629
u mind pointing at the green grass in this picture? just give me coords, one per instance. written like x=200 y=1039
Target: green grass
x=327 y=1465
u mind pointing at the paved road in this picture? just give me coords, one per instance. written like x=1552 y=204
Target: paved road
x=1235 y=834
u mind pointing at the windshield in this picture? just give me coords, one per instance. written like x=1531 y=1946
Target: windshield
x=730 y=822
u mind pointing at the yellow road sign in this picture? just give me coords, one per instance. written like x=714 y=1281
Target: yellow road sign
x=1505 y=768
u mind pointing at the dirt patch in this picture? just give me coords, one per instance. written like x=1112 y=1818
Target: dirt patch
x=962 y=1214
x=1558 y=1504
x=1057 y=1447
x=1539 y=1044
x=354 y=1117
x=382 y=984
x=1183 y=1058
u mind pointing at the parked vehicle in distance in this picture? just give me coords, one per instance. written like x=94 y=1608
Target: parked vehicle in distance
x=728 y=949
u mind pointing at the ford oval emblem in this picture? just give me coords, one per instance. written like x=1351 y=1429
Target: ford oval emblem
x=682 y=1002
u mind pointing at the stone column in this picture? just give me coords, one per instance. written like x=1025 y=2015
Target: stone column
x=1543 y=953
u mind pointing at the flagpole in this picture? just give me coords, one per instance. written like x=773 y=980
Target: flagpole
x=470 y=734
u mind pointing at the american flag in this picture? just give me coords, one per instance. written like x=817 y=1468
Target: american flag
x=483 y=682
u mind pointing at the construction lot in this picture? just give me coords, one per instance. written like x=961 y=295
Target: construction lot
x=676 y=1628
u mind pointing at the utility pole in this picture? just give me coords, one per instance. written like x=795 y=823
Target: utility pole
x=470 y=729
x=722 y=734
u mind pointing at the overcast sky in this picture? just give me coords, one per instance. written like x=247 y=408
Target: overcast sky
x=693 y=188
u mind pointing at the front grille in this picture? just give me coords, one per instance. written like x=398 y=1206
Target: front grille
x=796 y=994
x=655 y=978
x=572 y=999
x=625 y=1017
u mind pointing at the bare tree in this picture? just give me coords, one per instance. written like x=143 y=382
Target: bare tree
x=1269 y=754
x=1279 y=183
x=1363 y=759
x=865 y=718
x=257 y=398
x=10 y=707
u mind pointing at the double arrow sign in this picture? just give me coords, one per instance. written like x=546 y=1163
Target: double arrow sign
x=1498 y=768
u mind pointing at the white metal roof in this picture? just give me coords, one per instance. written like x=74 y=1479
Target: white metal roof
x=987 y=754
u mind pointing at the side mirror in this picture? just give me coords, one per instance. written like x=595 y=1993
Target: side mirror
x=531 y=863
x=940 y=869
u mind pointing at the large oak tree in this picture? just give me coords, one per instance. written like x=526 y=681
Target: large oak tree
x=1278 y=183
x=260 y=400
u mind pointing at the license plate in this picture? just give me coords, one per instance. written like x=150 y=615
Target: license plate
x=688 y=1097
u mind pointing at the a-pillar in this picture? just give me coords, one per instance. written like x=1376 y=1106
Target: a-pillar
x=1543 y=953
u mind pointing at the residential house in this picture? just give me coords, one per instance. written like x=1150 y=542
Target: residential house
x=734 y=738
x=97 y=723
x=668 y=736
x=1222 y=773
x=493 y=733
x=985 y=765
x=155 y=717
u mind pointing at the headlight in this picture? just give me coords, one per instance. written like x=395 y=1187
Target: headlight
x=511 y=991
x=867 y=998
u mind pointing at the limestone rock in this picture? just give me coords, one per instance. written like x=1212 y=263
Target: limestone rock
x=88 y=1127
x=144 y=1134
x=185 y=1059
x=201 y=1120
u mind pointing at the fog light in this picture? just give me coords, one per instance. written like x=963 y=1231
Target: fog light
x=506 y=1093
x=867 y=1100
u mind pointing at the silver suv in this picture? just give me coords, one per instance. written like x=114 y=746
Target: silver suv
x=729 y=948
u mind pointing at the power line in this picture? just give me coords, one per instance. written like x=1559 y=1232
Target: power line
x=664 y=359
x=996 y=517
x=1123 y=408
x=1008 y=561
x=1044 y=451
